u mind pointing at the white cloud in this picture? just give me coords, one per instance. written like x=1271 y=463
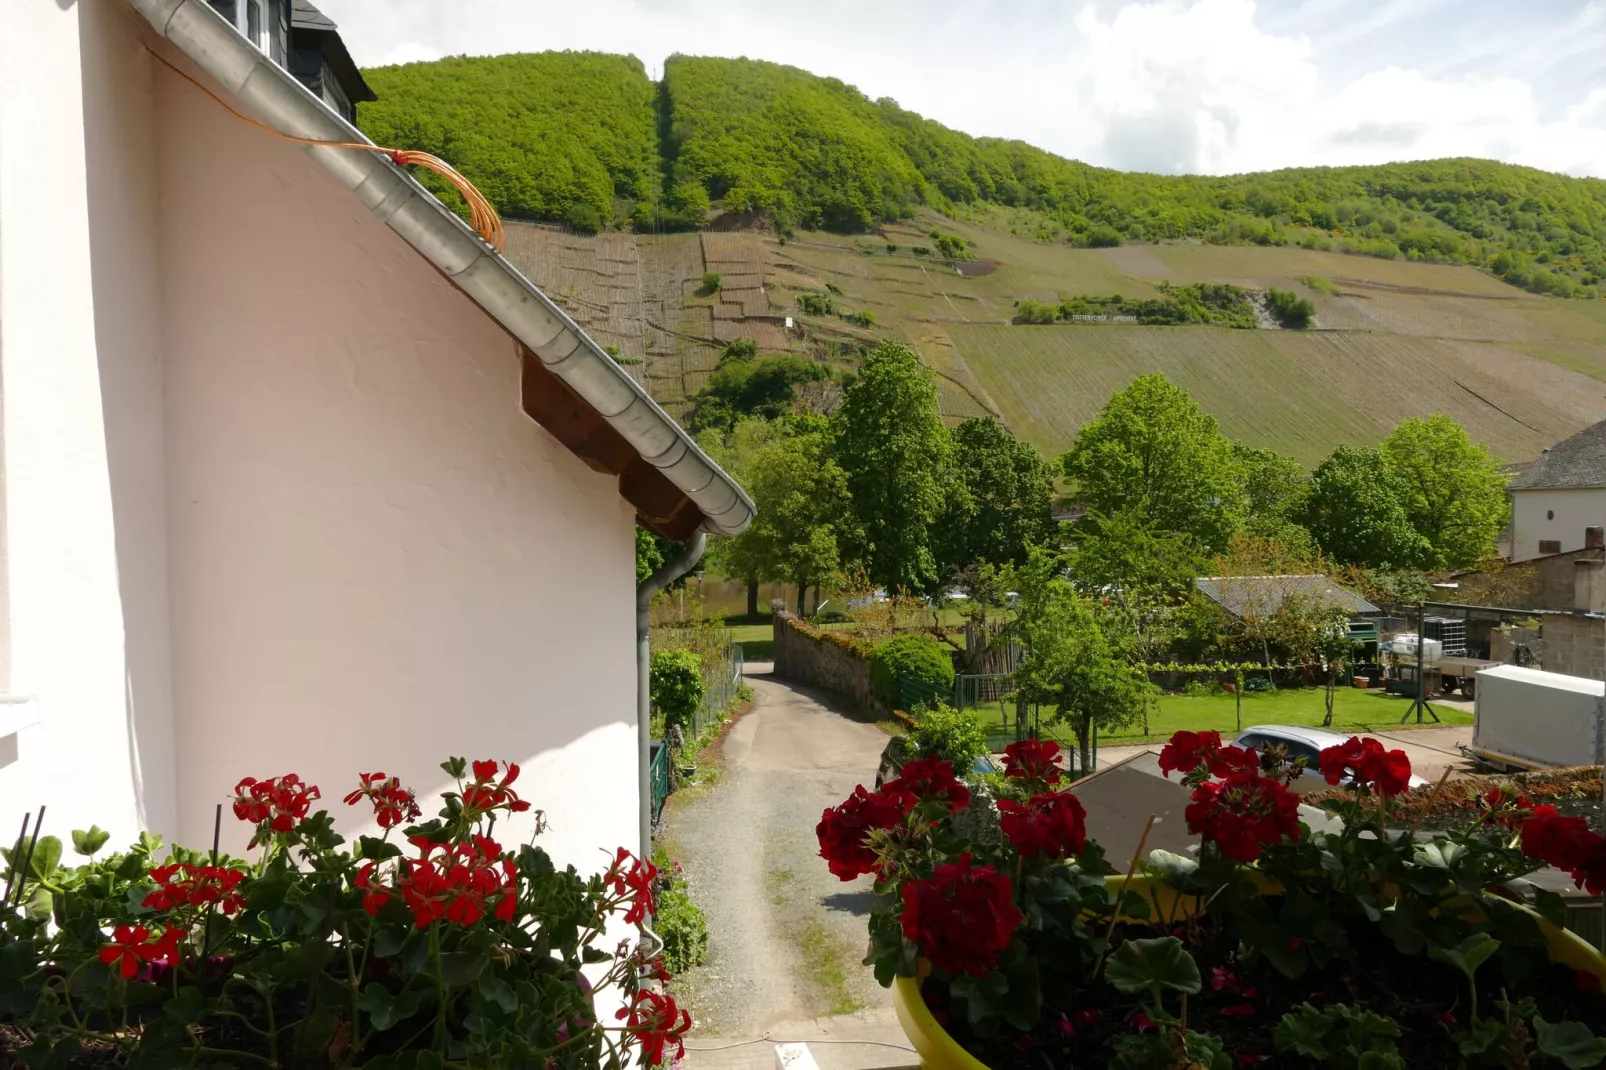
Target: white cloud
x=408 y=52
x=1166 y=85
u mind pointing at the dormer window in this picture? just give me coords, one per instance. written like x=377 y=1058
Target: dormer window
x=265 y=23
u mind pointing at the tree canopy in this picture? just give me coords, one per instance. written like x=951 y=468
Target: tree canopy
x=547 y=135
x=1073 y=661
x=894 y=448
x=1356 y=513
x=576 y=137
x=999 y=502
x=1454 y=492
x=1154 y=453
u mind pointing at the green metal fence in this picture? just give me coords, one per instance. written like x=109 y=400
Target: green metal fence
x=658 y=777
x=720 y=685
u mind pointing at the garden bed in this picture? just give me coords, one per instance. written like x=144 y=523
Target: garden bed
x=1574 y=791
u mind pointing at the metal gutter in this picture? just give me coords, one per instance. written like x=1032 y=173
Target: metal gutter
x=667 y=573
x=426 y=224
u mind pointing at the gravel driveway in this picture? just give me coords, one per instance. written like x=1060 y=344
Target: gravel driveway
x=785 y=937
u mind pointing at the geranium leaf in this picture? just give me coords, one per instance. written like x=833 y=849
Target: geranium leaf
x=1153 y=965
x=1469 y=954
x=46 y=856
x=1304 y=1032
x=1570 y=1043
x=87 y=841
x=1174 y=868
x=186 y=1006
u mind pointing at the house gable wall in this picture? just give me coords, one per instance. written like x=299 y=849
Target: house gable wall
x=1574 y=510
x=379 y=559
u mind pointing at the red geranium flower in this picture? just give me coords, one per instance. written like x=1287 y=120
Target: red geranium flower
x=963 y=917
x=1033 y=759
x=842 y=830
x=1568 y=844
x=634 y=884
x=1054 y=824
x=273 y=805
x=655 y=1021
x=1186 y=750
x=485 y=792
x=457 y=885
x=927 y=779
x=199 y=886
x=1368 y=764
x=1242 y=814
x=1585 y=981
x=129 y=948
x=372 y=897
x=393 y=803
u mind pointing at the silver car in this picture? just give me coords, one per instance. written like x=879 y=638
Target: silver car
x=1302 y=742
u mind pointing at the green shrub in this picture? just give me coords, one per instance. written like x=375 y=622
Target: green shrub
x=921 y=657
x=1029 y=311
x=684 y=930
x=860 y=319
x=834 y=288
x=958 y=736
x=711 y=282
x=1290 y=309
x=816 y=304
x=1319 y=284
x=1103 y=238
x=892 y=247
x=921 y=250
x=677 y=685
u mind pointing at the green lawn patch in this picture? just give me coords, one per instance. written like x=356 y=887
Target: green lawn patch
x=1354 y=711
x=758 y=640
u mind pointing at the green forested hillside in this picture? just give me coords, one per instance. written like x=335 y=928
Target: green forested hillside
x=572 y=136
x=568 y=136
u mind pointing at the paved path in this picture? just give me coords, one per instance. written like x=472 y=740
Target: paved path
x=785 y=937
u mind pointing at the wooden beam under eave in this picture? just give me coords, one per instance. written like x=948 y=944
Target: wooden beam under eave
x=553 y=404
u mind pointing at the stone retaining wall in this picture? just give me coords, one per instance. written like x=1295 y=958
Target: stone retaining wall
x=825 y=659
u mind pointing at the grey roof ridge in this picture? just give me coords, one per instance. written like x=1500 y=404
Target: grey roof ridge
x=397 y=200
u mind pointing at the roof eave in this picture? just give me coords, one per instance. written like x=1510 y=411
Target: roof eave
x=443 y=239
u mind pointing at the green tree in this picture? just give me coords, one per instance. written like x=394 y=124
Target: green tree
x=1454 y=491
x=1274 y=494
x=1000 y=499
x=895 y=451
x=743 y=556
x=1154 y=453
x=1075 y=658
x=649 y=553
x=1356 y=512
x=801 y=510
x=1125 y=552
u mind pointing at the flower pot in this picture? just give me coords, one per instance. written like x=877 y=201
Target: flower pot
x=939 y=1051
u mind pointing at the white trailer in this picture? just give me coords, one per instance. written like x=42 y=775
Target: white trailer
x=1528 y=719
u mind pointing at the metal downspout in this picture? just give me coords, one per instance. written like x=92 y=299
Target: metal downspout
x=671 y=571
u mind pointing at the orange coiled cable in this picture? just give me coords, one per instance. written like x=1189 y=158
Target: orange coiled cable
x=482 y=215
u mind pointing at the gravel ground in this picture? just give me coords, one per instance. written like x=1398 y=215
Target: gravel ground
x=785 y=937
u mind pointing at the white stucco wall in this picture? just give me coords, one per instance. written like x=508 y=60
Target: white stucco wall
x=270 y=500
x=84 y=504
x=378 y=560
x=1554 y=514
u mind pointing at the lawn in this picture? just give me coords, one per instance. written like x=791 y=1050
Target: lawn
x=758 y=640
x=1354 y=710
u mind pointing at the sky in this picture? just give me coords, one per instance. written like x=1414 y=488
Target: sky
x=1199 y=86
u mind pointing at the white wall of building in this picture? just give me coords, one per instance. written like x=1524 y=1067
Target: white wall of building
x=379 y=560
x=1562 y=515
x=79 y=345
x=271 y=503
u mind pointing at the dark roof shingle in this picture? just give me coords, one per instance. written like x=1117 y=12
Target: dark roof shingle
x=1573 y=463
x=1264 y=595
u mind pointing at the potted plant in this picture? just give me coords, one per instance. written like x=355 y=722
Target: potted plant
x=1011 y=942
x=428 y=946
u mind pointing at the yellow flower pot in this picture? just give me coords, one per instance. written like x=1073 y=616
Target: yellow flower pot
x=939 y=1051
